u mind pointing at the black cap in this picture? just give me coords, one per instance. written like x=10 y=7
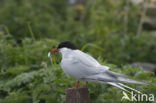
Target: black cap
x=67 y=44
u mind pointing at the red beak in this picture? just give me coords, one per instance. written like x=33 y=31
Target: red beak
x=54 y=51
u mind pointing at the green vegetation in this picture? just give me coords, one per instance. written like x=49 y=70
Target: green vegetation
x=30 y=29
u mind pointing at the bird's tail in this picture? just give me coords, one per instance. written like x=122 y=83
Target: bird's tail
x=119 y=78
x=122 y=86
x=129 y=81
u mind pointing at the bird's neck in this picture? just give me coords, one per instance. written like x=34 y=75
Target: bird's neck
x=66 y=53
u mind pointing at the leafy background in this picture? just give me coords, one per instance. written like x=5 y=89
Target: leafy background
x=29 y=29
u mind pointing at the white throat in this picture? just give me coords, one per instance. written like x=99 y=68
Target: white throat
x=65 y=52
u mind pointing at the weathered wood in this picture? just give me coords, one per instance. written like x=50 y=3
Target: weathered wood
x=80 y=95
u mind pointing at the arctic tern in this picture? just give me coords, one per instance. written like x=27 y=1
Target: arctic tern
x=82 y=66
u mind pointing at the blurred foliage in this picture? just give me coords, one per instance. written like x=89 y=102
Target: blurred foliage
x=29 y=29
x=99 y=23
x=26 y=75
x=44 y=17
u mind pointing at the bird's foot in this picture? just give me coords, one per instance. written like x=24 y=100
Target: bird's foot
x=74 y=88
x=77 y=86
x=84 y=86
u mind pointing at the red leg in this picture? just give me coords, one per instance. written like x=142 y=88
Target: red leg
x=77 y=86
x=78 y=82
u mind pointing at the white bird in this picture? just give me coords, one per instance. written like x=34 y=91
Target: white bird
x=82 y=66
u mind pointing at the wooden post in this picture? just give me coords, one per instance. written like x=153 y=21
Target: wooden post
x=80 y=95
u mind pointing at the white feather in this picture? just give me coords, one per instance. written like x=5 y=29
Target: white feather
x=118 y=86
x=129 y=88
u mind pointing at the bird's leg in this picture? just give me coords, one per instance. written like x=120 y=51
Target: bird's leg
x=85 y=86
x=77 y=86
x=78 y=82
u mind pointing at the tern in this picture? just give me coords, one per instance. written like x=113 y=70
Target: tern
x=84 y=67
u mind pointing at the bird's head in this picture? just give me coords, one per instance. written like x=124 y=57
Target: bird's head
x=64 y=45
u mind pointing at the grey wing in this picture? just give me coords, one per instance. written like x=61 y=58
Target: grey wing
x=87 y=65
x=88 y=60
